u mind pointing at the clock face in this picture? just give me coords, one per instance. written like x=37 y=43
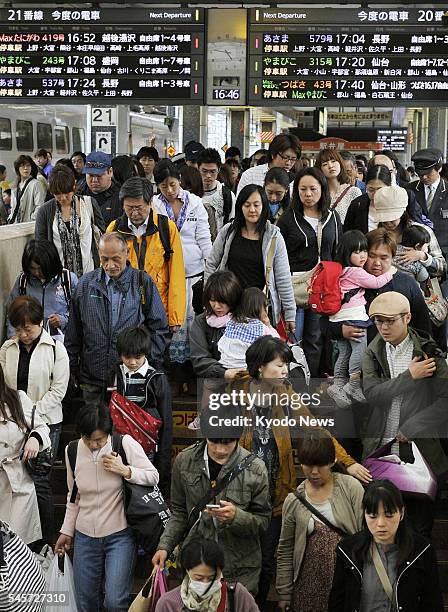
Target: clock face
x=226 y=69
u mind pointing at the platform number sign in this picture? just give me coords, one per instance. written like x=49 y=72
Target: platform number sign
x=102 y=116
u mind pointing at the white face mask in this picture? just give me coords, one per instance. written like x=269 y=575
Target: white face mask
x=201 y=588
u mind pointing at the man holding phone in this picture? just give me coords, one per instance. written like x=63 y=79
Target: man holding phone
x=220 y=491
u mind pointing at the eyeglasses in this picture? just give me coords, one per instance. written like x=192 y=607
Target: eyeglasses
x=387 y=322
x=205 y=172
x=289 y=159
x=132 y=209
x=101 y=165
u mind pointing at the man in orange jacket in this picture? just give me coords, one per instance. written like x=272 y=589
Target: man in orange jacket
x=154 y=246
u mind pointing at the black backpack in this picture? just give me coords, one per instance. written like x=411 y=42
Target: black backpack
x=228 y=203
x=146 y=511
x=66 y=283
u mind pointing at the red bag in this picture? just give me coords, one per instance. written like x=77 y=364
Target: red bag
x=325 y=289
x=130 y=419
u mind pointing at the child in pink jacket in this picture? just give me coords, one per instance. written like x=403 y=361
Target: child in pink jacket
x=352 y=255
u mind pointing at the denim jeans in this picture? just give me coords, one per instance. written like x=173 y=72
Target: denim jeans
x=300 y=320
x=44 y=492
x=112 y=557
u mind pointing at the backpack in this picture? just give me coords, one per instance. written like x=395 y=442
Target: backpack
x=146 y=511
x=325 y=295
x=66 y=283
x=164 y=232
x=227 y=204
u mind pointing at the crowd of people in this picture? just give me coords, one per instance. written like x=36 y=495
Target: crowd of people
x=150 y=276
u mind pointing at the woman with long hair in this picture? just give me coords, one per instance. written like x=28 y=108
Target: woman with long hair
x=386 y=566
x=251 y=238
x=325 y=506
x=342 y=193
x=28 y=192
x=311 y=231
x=18 y=501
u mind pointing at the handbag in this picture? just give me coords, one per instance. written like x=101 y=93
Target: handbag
x=301 y=280
x=413 y=479
x=152 y=591
x=128 y=418
x=436 y=302
x=42 y=464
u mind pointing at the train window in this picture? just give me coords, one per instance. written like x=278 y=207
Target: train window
x=62 y=139
x=5 y=134
x=78 y=139
x=24 y=136
x=44 y=136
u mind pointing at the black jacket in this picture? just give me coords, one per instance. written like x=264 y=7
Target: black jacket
x=357 y=216
x=108 y=202
x=417 y=586
x=439 y=210
x=204 y=353
x=158 y=405
x=301 y=239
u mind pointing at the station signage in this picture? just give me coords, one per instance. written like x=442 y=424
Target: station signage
x=107 y=55
x=347 y=56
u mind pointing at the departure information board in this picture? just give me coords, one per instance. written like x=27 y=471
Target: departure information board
x=113 y=55
x=393 y=139
x=343 y=55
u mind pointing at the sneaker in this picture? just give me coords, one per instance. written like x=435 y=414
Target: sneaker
x=339 y=396
x=353 y=390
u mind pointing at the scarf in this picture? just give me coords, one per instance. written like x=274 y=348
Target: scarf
x=218 y=322
x=71 y=247
x=183 y=196
x=192 y=601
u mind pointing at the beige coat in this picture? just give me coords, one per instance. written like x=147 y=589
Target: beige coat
x=18 y=502
x=346 y=503
x=48 y=376
x=33 y=197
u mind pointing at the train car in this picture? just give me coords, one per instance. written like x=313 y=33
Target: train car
x=25 y=128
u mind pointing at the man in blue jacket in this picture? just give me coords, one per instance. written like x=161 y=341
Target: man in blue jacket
x=106 y=301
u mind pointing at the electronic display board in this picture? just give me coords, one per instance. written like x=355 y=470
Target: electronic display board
x=342 y=55
x=112 y=55
x=393 y=139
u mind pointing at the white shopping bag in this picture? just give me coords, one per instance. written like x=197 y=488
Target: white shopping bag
x=60 y=587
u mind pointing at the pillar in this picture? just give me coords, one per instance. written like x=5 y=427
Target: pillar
x=239 y=131
x=195 y=124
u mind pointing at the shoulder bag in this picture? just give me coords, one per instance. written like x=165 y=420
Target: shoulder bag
x=339 y=198
x=435 y=301
x=381 y=571
x=319 y=515
x=301 y=280
x=269 y=264
x=42 y=464
x=19 y=195
x=96 y=232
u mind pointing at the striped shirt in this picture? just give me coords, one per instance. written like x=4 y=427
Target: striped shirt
x=398 y=358
x=20 y=573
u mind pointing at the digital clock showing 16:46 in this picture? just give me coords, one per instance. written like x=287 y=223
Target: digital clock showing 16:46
x=226 y=94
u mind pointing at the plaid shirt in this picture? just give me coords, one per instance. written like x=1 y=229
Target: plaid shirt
x=245 y=332
x=91 y=338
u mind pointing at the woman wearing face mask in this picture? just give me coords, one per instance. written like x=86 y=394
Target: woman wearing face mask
x=276 y=186
x=306 y=553
x=33 y=362
x=268 y=361
x=190 y=216
x=341 y=192
x=254 y=250
x=387 y=545
x=308 y=221
x=202 y=588
x=44 y=279
x=95 y=522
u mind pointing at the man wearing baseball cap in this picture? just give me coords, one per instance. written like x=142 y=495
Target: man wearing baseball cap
x=101 y=185
x=405 y=380
x=431 y=192
x=192 y=150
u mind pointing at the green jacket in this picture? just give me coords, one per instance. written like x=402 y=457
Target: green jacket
x=424 y=411
x=249 y=491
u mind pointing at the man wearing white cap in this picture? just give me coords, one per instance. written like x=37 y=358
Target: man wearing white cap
x=405 y=379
